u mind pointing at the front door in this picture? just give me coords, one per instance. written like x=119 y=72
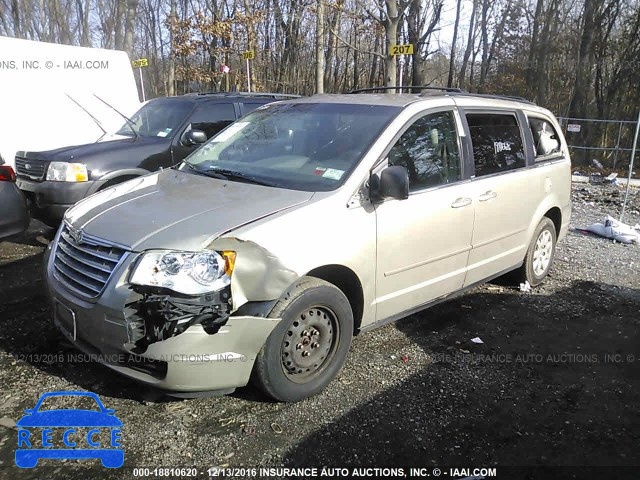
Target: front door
x=211 y=118
x=424 y=241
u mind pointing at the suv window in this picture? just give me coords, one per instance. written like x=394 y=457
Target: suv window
x=429 y=151
x=248 y=107
x=157 y=118
x=212 y=117
x=545 y=139
x=497 y=142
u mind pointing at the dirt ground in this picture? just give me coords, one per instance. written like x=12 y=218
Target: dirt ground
x=555 y=383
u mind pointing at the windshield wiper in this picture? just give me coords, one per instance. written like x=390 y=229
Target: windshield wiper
x=104 y=132
x=224 y=174
x=130 y=122
x=208 y=173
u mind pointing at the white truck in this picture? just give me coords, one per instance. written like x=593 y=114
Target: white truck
x=51 y=95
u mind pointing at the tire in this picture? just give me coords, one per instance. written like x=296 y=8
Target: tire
x=319 y=316
x=540 y=253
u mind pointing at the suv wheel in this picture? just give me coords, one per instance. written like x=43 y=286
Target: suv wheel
x=310 y=344
x=540 y=254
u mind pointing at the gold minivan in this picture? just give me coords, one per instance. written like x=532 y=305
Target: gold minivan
x=304 y=223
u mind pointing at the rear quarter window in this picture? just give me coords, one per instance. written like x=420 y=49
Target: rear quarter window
x=497 y=142
x=546 y=141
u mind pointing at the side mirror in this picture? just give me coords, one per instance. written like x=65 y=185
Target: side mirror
x=194 y=137
x=393 y=183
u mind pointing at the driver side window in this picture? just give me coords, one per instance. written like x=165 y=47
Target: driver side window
x=428 y=149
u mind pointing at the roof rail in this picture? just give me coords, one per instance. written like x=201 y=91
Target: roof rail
x=498 y=97
x=456 y=91
x=242 y=94
x=408 y=87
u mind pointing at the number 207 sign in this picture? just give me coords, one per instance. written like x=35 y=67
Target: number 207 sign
x=405 y=49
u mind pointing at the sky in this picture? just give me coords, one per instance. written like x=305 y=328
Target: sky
x=445 y=35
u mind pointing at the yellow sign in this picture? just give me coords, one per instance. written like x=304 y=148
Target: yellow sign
x=405 y=49
x=142 y=62
x=248 y=55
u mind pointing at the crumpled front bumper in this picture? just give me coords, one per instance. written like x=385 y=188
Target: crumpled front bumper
x=193 y=361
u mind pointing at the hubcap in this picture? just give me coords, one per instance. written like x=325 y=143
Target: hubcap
x=309 y=343
x=542 y=253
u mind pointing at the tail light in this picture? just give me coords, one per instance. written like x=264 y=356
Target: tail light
x=7 y=174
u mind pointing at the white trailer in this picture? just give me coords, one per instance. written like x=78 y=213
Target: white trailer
x=48 y=95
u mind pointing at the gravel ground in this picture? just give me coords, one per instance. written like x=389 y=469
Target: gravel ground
x=555 y=383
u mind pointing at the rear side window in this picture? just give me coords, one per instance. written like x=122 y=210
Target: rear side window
x=545 y=139
x=497 y=143
x=213 y=117
x=246 y=108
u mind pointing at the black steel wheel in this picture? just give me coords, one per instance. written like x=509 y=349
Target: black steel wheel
x=309 y=346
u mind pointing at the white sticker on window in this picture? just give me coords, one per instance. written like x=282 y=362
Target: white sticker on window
x=333 y=174
x=501 y=147
x=162 y=134
x=230 y=131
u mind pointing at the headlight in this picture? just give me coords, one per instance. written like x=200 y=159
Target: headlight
x=191 y=273
x=67 y=172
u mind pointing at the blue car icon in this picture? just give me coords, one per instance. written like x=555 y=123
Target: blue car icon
x=35 y=447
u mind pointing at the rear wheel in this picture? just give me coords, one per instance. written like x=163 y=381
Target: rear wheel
x=310 y=344
x=540 y=254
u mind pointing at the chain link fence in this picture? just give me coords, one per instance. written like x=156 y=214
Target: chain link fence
x=598 y=145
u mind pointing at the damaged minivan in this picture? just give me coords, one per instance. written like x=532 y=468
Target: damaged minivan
x=261 y=255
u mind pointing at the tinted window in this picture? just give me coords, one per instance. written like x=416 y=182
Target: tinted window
x=212 y=117
x=428 y=149
x=249 y=107
x=157 y=118
x=301 y=146
x=545 y=139
x=497 y=143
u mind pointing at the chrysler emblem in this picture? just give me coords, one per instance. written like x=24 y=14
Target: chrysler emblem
x=27 y=166
x=76 y=235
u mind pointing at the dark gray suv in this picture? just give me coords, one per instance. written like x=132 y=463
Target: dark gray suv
x=159 y=135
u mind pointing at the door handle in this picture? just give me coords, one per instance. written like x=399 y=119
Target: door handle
x=461 y=202
x=490 y=195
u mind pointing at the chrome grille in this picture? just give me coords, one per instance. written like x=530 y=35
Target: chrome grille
x=34 y=169
x=84 y=264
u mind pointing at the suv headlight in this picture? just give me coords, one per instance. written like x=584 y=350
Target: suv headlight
x=191 y=273
x=67 y=172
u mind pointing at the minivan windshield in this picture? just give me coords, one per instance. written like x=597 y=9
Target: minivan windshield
x=299 y=146
x=157 y=118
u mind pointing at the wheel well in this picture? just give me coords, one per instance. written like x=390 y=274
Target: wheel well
x=346 y=280
x=556 y=217
x=115 y=181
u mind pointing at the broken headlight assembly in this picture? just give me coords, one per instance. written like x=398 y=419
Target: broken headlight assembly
x=189 y=273
x=176 y=290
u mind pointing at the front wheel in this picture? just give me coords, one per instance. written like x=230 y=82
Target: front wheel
x=310 y=344
x=540 y=254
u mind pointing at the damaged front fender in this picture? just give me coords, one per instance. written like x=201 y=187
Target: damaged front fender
x=157 y=314
x=258 y=275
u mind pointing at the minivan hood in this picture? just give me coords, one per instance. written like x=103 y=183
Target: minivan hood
x=176 y=210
